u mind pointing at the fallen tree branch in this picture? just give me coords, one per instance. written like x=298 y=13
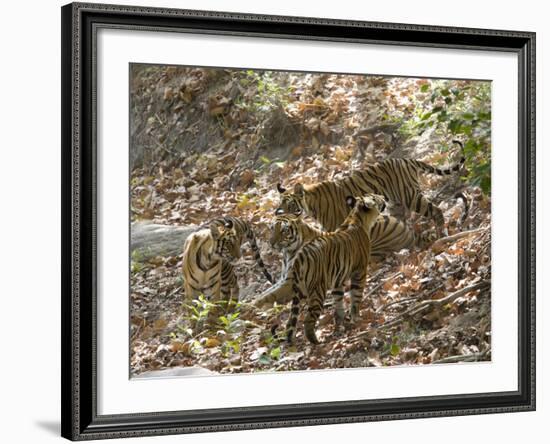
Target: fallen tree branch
x=400 y=301
x=423 y=306
x=375 y=275
x=382 y=282
x=412 y=298
x=440 y=243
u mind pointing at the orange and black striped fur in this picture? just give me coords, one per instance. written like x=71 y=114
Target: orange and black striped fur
x=207 y=268
x=388 y=234
x=208 y=255
x=396 y=179
x=328 y=261
x=290 y=232
x=246 y=234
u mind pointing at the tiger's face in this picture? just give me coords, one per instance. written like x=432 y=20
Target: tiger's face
x=292 y=202
x=226 y=242
x=364 y=210
x=284 y=232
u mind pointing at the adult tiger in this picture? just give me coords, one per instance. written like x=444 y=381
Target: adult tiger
x=329 y=260
x=290 y=232
x=207 y=257
x=396 y=179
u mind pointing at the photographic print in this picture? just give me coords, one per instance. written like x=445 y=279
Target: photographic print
x=290 y=221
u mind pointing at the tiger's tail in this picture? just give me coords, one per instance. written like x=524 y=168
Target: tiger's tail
x=444 y=171
x=461 y=195
x=258 y=257
x=292 y=291
x=246 y=229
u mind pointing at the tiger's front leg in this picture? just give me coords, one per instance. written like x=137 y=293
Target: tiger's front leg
x=339 y=311
x=358 y=282
x=214 y=297
x=315 y=306
x=229 y=286
x=293 y=319
x=190 y=293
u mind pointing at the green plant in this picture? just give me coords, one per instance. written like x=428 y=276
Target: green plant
x=199 y=310
x=137 y=261
x=232 y=326
x=231 y=322
x=270 y=94
x=464 y=113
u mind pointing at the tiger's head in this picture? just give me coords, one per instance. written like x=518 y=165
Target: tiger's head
x=226 y=240
x=285 y=231
x=364 y=210
x=292 y=202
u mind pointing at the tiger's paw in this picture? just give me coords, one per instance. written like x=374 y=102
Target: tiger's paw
x=311 y=337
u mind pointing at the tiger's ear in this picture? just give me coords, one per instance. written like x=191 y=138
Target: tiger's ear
x=214 y=231
x=299 y=189
x=280 y=189
x=351 y=201
x=381 y=202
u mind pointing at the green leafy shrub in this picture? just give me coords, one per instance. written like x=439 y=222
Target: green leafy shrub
x=464 y=113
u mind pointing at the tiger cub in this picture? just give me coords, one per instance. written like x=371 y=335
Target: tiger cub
x=245 y=234
x=328 y=261
x=206 y=267
x=396 y=179
x=208 y=255
x=388 y=234
x=289 y=233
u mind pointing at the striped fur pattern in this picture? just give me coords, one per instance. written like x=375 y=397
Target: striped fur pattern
x=207 y=268
x=208 y=255
x=290 y=233
x=388 y=234
x=246 y=234
x=396 y=179
x=328 y=261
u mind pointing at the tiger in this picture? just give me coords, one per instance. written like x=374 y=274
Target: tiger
x=207 y=263
x=329 y=260
x=388 y=234
x=208 y=255
x=290 y=232
x=395 y=179
x=246 y=234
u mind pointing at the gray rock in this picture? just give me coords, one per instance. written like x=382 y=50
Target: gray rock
x=150 y=240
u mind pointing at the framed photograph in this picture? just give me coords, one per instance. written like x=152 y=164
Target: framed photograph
x=278 y=221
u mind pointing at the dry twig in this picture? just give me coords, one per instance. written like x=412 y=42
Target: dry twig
x=412 y=298
x=423 y=306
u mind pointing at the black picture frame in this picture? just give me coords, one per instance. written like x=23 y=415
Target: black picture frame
x=79 y=386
